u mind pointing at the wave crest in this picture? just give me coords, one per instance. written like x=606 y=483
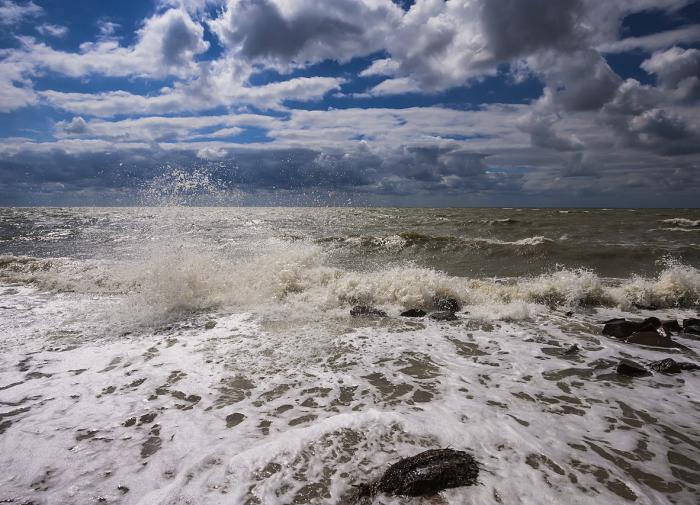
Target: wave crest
x=298 y=281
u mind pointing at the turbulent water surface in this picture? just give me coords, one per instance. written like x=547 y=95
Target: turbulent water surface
x=183 y=355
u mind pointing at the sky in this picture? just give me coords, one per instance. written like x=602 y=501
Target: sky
x=352 y=102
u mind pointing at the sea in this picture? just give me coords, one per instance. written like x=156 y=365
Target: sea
x=176 y=354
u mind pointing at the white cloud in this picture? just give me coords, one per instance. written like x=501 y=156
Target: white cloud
x=50 y=30
x=397 y=86
x=13 y=13
x=150 y=129
x=207 y=92
x=16 y=89
x=384 y=66
x=166 y=45
x=662 y=40
x=285 y=34
x=677 y=70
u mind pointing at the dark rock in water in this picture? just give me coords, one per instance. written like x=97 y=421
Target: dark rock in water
x=671 y=326
x=621 y=328
x=365 y=310
x=629 y=368
x=413 y=313
x=650 y=323
x=569 y=313
x=425 y=474
x=615 y=320
x=447 y=304
x=670 y=366
x=692 y=329
x=234 y=419
x=574 y=349
x=651 y=339
x=443 y=316
x=691 y=322
x=667 y=365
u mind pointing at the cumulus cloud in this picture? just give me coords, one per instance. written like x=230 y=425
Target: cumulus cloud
x=521 y=27
x=590 y=129
x=579 y=81
x=285 y=34
x=665 y=132
x=677 y=70
x=167 y=45
x=16 y=88
x=542 y=133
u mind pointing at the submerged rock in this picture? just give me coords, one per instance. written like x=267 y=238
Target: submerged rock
x=670 y=366
x=413 y=313
x=574 y=349
x=629 y=368
x=365 y=310
x=622 y=328
x=447 y=304
x=443 y=316
x=425 y=474
x=652 y=339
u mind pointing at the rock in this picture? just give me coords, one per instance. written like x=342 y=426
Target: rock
x=691 y=322
x=569 y=313
x=443 y=316
x=209 y=325
x=629 y=368
x=671 y=327
x=446 y=304
x=650 y=323
x=574 y=349
x=670 y=366
x=413 y=313
x=621 y=328
x=692 y=329
x=615 y=320
x=651 y=339
x=234 y=419
x=365 y=310
x=425 y=474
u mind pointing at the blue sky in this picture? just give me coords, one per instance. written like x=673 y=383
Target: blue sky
x=364 y=102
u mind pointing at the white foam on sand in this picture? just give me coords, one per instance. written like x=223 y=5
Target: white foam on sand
x=262 y=408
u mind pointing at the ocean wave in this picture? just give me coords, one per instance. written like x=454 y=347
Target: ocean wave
x=405 y=240
x=686 y=230
x=682 y=221
x=298 y=280
x=504 y=221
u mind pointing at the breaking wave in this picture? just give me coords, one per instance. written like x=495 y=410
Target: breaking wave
x=681 y=221
x=415 y=240
x=298 y=281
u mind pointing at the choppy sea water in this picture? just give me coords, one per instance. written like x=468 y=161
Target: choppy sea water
x=186 y=355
